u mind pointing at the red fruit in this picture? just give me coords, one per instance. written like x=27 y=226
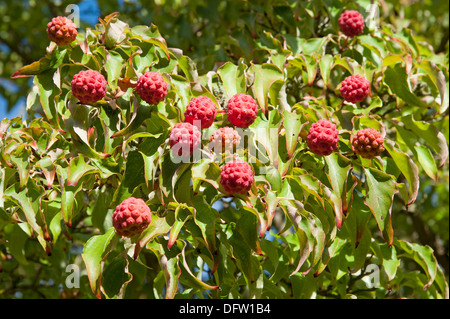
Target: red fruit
x=368 y=143
x=151 y=87
x=184 y=139
x=236 y=177
x=242 y=110
x=62 y=31
x=88 y=86
x=351 y=23
x=354 y=88
x=225 y=138
x=131 y=217
x=201 y=109
x=322 y=137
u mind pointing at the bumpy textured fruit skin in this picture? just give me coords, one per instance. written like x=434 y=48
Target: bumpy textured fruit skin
x=368 y=143
x=131 y=217
x=351 y=23
x=236 y=177
x=201 y=109
x=354 y=88
x=151 y=87
x=322 y=138
x=184 y=139
x=88 y=86
x=62 y=31
x=242 y=110
x=225 y=138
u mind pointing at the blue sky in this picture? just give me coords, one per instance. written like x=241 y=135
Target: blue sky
x=89 y=13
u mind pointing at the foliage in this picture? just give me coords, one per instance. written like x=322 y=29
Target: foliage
x=311 y=226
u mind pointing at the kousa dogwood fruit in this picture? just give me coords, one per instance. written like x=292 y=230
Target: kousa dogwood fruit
x=184 y=139
x=151 y=87
x=131 y=217
x=62 y=30
x=354 y=88
x=225 y=138
x=88 y=86
x=351 y=23
x=322 y=138
x=368 y=143
x=242 y=110
x=201 y=109
x=236 y=177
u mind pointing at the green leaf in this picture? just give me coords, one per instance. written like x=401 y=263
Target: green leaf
x=116 y=277
x=360 y=214
x=187 y=65
x=293 y=124
x=206 y=171
x=133 y=177
x=48 y=169
x=188 y=277
x=242 y=252
x=21 y=158
x=438 y=79
x=150 y=35
x=396 y=78
x=114 y=31
x=77 y=123
x=381 y=189
x=427 y=161
x=48 y=93
x=390 y=261
x=361 y=250
x=264 y=76
x=113 y=67
x=338 y=169
x=349 y=64
x=423 y=255
x=273 y=177
x=141 y=113
x=181 y=217
x=172 y=272
x=77 y=169
x=145 y=58
x=233 y=78
x=326 y=63
x=182 y=87
x=407 y=167
x=406 y=39
x=205 y=219
x=94 y=252
x=158 y=226
x=51 y=61
x=267 y=133
x=328 y=253
x=435 y=139
x=28 y=200
x=17 y=238
x=68 y=201
x=303 y=232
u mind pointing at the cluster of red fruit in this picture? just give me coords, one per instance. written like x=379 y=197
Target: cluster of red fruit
x=185 y=138
x=322 y=137
x=132 y=216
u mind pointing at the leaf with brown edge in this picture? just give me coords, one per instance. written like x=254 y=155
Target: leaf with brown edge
x=50 y=61
x=124 y=84
x=408 y=168
x=158 y=226
x=381 y=189
x=94 y=252
x=423 y=255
